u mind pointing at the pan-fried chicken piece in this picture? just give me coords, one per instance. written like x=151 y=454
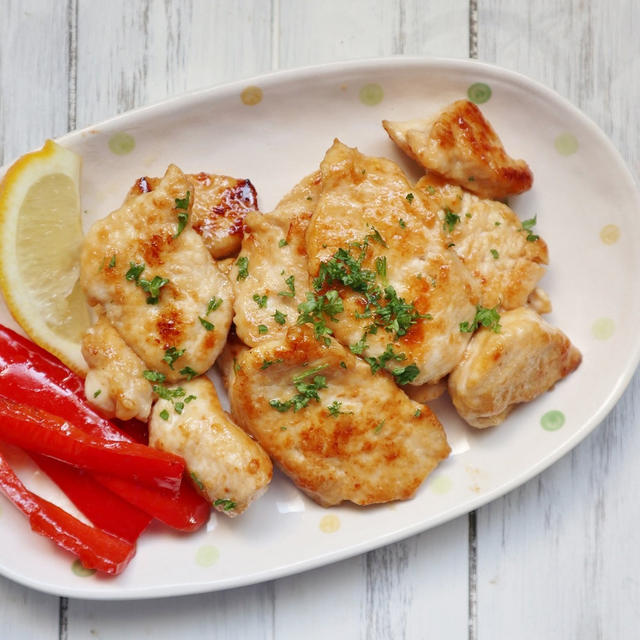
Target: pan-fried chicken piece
x=156 y=281
x=228 y=467
x=403 y=293
x=539 y=301
x=338 y=433
x=115 y=383
x=460 y=145
x=270 y=277
x=220 y=204
x=506 y=259
x=499 y=370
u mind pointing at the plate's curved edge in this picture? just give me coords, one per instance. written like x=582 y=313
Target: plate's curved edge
x=475 y=502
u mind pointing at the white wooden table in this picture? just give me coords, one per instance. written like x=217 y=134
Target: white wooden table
x=558 y=557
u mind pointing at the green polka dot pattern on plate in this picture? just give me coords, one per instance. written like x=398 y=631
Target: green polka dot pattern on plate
x=251 y=96
x=207 y=555
x=80 y=570
x=603 y=328
x=121 y=143
x=479 y=92
x=371 y=94
x=441 y=484
x=566 y=144
x=552 y=420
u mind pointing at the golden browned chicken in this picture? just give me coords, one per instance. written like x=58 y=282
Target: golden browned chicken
x=502 y=252
x=228 y=467
x=338 y=432
x=157 y=283
x=459 y=144
x=220 y=204
x=385 y=282
x=115 y=382
x=523 y=359
x=270 y=276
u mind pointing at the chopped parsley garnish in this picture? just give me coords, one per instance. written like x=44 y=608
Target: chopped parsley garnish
x=380 y=362
x=188 y=372
x=312 y=311
x=267 y=363
x=489 y=318
x=282 y=243
x=214 y=303
x=188 y=399
x=236 y=366
x=376 y=235
x=334 y=409
x=497 y=224
x=134 y=272
x=409 y=197
x=404 y=375
x=179 y=407
x=290 y=282
x=152 y=287
x=402 y=223
x=527 y=225
x=307 y=391
x=495 y=254
x=171 y=355
x=418 y=413
x=430 y=189
x=112 y=262
x=262 y=329
x=397 y=316
x=468 y=215
x=243 y=267
x=154 y=376
x=343 y=364
x=359 y=346
x=168 y=394
x=379 y=426
x=450 y=219
x=261 y=301
x=182 y=207
x=206 y=324
x=381 y=267
x=97 y=393
x=197 y=481
x=164 y=414
x=280 y=317
x=226 y=503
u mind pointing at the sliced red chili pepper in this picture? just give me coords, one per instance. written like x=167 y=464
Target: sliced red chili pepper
x=186 y=510
x=104 y=508
x=36 y=377
x=95 y=548
x=41 y=432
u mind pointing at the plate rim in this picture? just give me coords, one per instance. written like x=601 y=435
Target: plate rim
x=286 y=76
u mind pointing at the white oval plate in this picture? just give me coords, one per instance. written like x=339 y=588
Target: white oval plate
x=587 y=207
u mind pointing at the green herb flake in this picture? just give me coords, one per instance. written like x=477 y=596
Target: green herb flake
x=376 y=236
x=190 y=398
x=418 y=413
x=262 y=329
x=335 y=410
x=261 y=301
x=381 y=268
x=280 y=317
x=171 y=355
x=179 y=407
x=153 y=376
x=409 y=197
x=468 y=215
x=164 y=414
x=236 y=366
x=290 y=282
x=527 y=225
x=134 y=272
x=197 y=481
x=97 y=393
x=495 y=254
x=450 y=220
x=267 y=363
x=343 y=364
x=316 y=308
x=243 y=267
x=431 y=190
x=226 y=503
x=404 y=375
x=206 y=324
x=112 y=262
x=188 y=372
x=402 y=223
x=214 y=304
x=182 y=206
x=489 y=318
x=497 y=224
x=379 y=426
x=282 y=243
x=152 y=287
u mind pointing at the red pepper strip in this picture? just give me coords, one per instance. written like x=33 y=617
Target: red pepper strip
x=104 y=508
x=186 y=510
x=41 y=432
x=95 y=548
x=38 y=378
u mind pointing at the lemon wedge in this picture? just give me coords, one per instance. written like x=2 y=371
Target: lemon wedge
x=40 y=243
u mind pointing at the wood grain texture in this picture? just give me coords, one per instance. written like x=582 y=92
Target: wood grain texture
x=557 y=558
x=33 y=106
